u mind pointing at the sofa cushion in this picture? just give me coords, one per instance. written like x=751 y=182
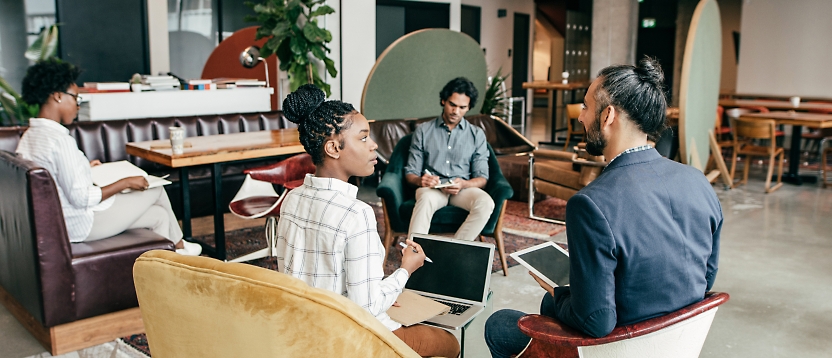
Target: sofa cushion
x=103 y=271
x=558 y=172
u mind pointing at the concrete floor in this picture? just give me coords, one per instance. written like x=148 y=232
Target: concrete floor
x=774 y=262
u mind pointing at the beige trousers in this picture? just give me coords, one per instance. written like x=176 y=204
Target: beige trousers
x=428 y=200
x=149 y=209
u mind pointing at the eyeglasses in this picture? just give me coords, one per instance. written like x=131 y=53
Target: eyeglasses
x=77 y=100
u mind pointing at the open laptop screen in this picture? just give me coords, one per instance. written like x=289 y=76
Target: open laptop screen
x=459 y=269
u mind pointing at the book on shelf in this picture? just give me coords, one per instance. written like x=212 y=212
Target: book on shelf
x=202 y=87
x=240 y=82
x=93 y=90
x=251 y=83
x=200 y=82
x=107 y=86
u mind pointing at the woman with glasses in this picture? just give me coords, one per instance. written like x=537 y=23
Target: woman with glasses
x=91 y=212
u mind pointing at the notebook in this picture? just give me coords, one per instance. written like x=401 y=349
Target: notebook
x=108 y=173
x=459 y=277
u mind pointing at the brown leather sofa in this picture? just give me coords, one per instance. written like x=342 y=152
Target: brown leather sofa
x=105 y=141
x=70 y=296
x=510 y=146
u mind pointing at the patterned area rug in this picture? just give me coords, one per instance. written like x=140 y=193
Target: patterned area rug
x=520 y=232
x=517 y=221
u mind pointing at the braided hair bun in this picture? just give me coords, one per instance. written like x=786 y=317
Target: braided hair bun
x=299 y=105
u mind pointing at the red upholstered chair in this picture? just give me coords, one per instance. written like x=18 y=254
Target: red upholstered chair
x=257 y=197
x=679 y=334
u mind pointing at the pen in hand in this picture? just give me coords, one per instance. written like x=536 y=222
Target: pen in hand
x=414 y=250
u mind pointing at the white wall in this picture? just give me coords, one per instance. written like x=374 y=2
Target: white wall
x=784 y=48
x=358 y=38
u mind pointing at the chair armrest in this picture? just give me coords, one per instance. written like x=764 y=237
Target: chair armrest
x=554 y=154
x=589 y=163
x=500 y=190
x=391 y=191
x=552 y=331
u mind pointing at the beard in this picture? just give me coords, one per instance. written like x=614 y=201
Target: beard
x=595 y=141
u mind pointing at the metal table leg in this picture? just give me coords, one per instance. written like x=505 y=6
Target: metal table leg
x=185 y=194
x=219 y=221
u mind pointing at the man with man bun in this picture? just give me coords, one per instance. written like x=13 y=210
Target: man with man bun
x=643 y=237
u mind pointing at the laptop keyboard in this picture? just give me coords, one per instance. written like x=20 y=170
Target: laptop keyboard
x=456 y=309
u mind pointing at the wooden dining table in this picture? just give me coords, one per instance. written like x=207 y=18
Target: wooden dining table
x=779 y=105
x=551 y=112
x=215 y=150
x=797 y=120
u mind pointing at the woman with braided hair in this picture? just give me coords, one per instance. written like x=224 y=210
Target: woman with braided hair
x=327 y=237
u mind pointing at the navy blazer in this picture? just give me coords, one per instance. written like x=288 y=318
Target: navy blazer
x=643 y=242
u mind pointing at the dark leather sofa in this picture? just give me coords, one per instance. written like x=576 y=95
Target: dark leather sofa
x=72 y=296
x=49 y=283
x=106 y=140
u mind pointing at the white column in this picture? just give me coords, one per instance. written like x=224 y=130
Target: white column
x=157 y=36
x=614 y=33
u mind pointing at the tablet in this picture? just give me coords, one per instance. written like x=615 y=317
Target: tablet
x=548 y=261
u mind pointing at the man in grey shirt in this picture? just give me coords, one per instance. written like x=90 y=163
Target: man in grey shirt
x=450 y=152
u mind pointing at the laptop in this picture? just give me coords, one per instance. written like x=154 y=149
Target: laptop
x=459 y=277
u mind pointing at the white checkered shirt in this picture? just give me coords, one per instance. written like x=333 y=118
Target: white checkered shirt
x=49 y=145
x=328 y=238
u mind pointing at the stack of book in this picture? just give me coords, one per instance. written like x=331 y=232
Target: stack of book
x=201 y=85
x=105 y=87
x=230 y=83
x=159 y=83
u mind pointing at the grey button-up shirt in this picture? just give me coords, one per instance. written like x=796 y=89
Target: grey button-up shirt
x=461 y=153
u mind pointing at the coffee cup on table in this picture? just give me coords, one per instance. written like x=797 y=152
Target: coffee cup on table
x=177 y=140
x=795 y=101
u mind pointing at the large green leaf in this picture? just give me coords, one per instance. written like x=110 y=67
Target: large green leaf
x=318 y=52
x=315 y=34
x=330 y=67
x=322 y=10
x=44 y=46
x=298 y=45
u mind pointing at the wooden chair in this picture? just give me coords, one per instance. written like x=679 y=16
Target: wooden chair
x=573 y=111
x=747 y=130
x=257 y=197
x=678 y=334
x=823 y=165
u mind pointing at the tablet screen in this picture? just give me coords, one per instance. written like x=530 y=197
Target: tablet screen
x=548 y=261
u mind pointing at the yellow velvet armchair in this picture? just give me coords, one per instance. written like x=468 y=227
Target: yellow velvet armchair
x=202 y=307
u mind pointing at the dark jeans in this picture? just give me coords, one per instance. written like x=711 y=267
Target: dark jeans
x=502 y=335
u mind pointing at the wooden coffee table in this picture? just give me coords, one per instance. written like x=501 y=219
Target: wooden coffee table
x=216 y=150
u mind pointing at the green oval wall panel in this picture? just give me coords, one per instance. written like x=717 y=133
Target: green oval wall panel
x=700 y=84
x=407 y=77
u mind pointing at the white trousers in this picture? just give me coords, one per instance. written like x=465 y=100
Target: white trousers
x=149 y=209
x=428 y=200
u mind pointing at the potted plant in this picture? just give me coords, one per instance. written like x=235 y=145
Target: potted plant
x=15 y=111
x=291 y=27
x=494 y=99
